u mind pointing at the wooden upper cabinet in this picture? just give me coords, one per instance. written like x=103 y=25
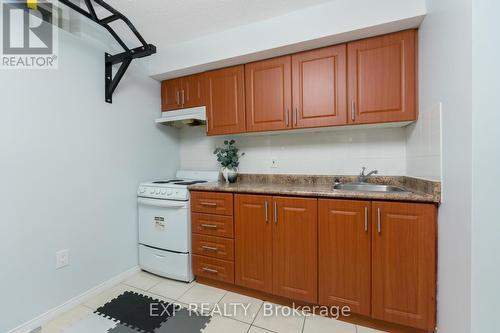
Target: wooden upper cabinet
x=184 y=92
x=253 y=242
x=192 y=90
x=268 y=93
x=382 y=78
x=319 y=87
x=344 y=242
x=171 y=94
x=225 y=100
x=295 y=248
x=404 y=263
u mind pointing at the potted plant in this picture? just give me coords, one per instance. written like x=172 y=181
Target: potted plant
x=228 y=157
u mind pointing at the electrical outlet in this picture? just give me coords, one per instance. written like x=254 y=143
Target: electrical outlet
x=62 y=258
x=274 y=164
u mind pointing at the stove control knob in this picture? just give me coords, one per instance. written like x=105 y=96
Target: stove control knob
x=163 y=191
x=157 y=191
x=169 y=191
x=152 y=190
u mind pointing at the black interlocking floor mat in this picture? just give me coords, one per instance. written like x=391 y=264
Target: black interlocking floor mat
x=134 y=310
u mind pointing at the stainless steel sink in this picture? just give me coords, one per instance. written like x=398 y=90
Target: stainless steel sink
x=367 y=187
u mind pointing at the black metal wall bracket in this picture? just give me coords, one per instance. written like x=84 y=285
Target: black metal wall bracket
x=123 y=58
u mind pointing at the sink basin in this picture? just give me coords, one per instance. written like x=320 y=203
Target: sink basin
x=368 y=187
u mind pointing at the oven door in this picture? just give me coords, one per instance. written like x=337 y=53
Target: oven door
x=165 y=224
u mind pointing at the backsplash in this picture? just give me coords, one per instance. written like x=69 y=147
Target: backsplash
x=341 y=151
x=423 y=144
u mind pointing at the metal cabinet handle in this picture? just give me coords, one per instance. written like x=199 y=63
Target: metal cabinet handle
x=210 y=248
x=210 y=226
x=353 y=110
x=210 y=270
x=275 y=213
x=208 y=204
x=177 y=97
x=296 y=115
x=366 y=218
x=266 y=206
x=379 y=224
x=182 y=94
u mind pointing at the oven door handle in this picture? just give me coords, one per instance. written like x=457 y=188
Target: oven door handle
x=162 y=203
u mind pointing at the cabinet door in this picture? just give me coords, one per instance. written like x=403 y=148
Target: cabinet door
x=404 y=263
x=253 y=239
x=171 y=94
x=295 y=248
x=319 y=87
x=192 y=90
x=382 y=78
x=225 y=100
x=268 y=93
x=344 y=254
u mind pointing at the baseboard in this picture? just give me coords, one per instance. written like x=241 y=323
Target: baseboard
x=66 y=306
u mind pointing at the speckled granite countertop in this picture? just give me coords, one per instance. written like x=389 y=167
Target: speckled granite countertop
x=418 y=190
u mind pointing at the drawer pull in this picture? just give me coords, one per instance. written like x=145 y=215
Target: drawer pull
x=210 y=270
x=210 y=248
x=208 y=204
x=209 y=226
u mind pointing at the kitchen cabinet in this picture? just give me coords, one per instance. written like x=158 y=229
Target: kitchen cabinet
x=382 y=78
x=171 y=94
x=344 y=243
x=295 y=252
x=185 y=92
x=320 y=87
x=225 y=100
x=404 y=263
x=193 y=90
x=276 y=249
x=368 y=81
x=253 y=239
x=212 y=203
x=212 y=236
x=377 y=257
x=268 y=94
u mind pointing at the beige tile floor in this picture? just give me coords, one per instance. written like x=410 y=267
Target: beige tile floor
x=253 y=321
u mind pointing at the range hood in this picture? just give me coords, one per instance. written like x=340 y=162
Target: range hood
x=185 y=117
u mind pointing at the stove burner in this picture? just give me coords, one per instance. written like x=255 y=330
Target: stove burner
x=190 y=182
x=167 y=181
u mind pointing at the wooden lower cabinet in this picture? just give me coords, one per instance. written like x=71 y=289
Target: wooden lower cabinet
x=344 y=242
x=404 y=263
x=276 y=248
x=216 y=269
x=378 y=258
x=253 y=240
x=295 y=250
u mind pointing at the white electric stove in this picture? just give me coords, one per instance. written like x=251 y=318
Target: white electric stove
x=165 y=224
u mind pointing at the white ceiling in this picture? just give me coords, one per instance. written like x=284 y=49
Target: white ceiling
x=167 y=22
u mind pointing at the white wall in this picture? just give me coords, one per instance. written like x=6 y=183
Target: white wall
x=445 y=77
x=341 y=151
x=423 y=142
x=486 y=162
x=69 y=167
x=325 y=24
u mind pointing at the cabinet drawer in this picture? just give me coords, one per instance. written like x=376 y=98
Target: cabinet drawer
x=215 y=269
x=213 y=225
x=212 y=203
x=216 y=247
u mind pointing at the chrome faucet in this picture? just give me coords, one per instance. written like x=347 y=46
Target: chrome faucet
x=363 y=178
